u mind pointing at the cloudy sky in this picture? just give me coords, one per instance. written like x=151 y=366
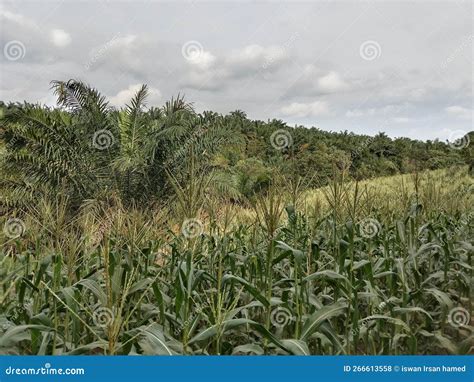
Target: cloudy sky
x=403 y=67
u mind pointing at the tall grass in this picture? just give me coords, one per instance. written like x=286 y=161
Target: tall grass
x=376 y=267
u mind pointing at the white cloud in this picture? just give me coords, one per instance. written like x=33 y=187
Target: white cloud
x=331 y=82
x=126 y=40
x=202 y=60
x=209 y=72
x=460 y=112
x=315 y=81
x=301 y=110
x=124 y=96
x=253 y=58
x=206 y=80
x=60 y=38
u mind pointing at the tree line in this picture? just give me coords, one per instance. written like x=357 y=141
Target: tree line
x=89 y=150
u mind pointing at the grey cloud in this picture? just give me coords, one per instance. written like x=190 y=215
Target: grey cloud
x=210 y=72
x=300 y=61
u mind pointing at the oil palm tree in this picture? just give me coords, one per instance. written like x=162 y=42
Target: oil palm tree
x=89 y=150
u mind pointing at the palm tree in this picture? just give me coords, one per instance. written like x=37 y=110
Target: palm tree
x=49 y=149
x=90 y=150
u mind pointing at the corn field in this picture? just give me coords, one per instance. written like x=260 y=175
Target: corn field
x=370 y=268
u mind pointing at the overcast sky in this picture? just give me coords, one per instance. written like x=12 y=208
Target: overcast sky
x=402 y=67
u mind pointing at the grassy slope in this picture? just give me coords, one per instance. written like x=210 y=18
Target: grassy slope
x=448 y=190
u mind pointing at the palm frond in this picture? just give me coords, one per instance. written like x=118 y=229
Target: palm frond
x=77 y=96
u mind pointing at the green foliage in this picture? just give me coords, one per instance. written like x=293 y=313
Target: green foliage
x=166 y=231
x=289 y=283
x=90 y=151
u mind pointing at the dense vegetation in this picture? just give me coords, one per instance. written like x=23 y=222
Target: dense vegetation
x=91 y=150
x=170 y=232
